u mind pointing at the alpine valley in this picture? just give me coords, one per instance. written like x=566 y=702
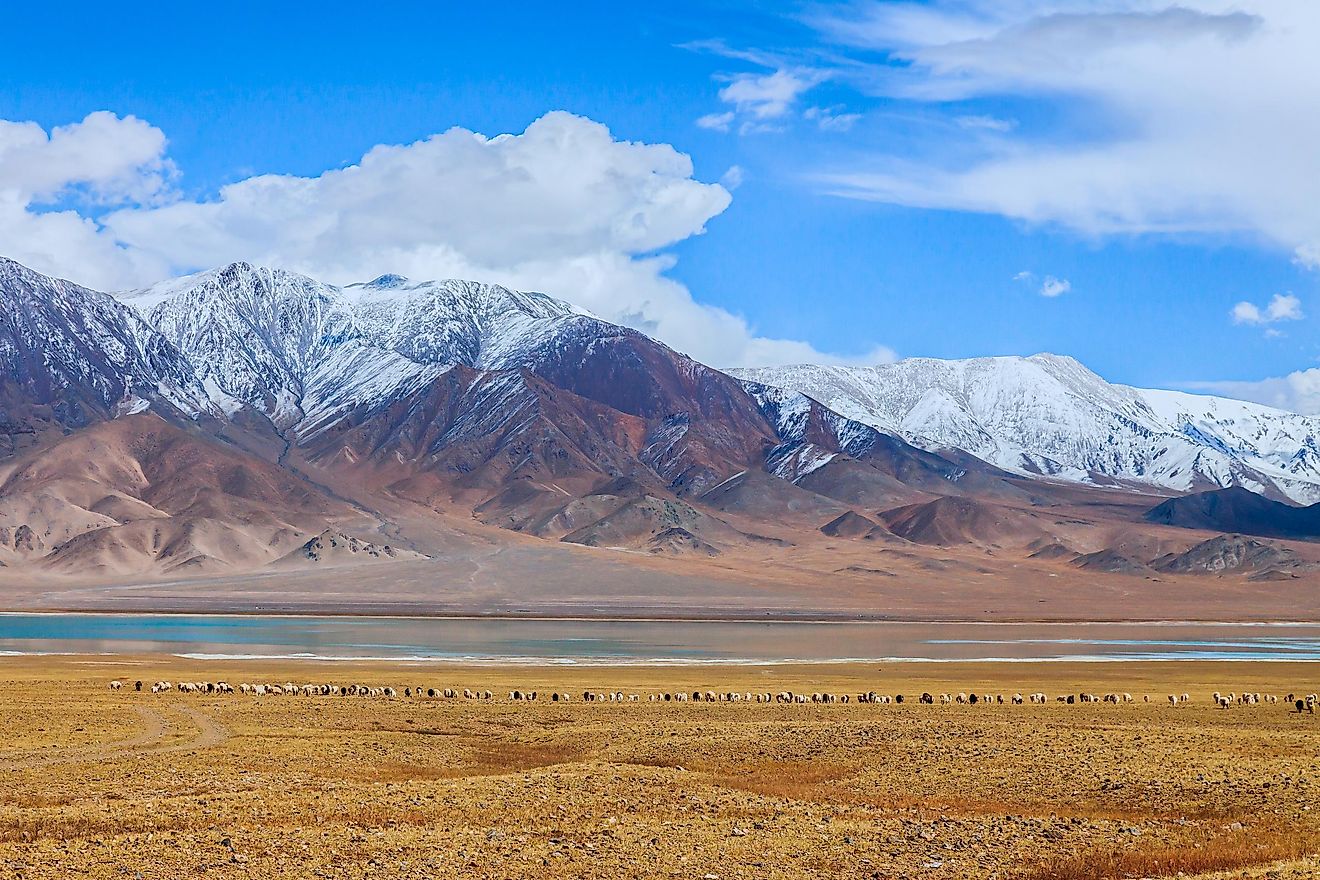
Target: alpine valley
x=252 y=438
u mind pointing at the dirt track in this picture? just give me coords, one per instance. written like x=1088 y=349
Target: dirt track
x=158 y=736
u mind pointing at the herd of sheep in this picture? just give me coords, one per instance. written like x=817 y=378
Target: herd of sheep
x=1306 y=703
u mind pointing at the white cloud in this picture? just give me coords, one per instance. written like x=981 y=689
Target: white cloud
x=1052 y=287
x=1296 y=392
x=985 y=123
x=1281 y=307
x=104 y=160
x=768 y=95
x=1181 y=115
x=716 y=121
x=563 y=207
x=761 y=101
x=1284 y=307
x=1247 y=313
x=111 y=158
x=831 y=118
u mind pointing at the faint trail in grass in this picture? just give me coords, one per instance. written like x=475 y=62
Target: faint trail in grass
x=147 y=742
x=154 y=730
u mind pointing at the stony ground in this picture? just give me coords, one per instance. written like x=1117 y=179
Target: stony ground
x=129 y=785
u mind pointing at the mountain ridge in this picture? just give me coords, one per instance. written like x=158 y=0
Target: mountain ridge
x=404 y=408
x=1048 y=415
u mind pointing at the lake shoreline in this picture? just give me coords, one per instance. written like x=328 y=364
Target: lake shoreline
x=589 y=642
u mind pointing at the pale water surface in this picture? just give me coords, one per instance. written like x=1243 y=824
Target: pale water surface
x=629 y=641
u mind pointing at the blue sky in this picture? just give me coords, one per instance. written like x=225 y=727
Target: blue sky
x=866 y=179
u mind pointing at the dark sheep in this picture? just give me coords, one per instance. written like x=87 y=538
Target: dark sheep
x=972 y=699
x=1071 y=699
x=137 y=686
x=898 y=698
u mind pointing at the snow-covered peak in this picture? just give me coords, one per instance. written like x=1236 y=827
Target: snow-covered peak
x=1048 y=414
x=262 y=338
x=278 y=341
x=63 y=343
x=452 y=321
x=384 y=282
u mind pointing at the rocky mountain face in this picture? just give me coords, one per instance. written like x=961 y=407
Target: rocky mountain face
x=456 y=385
x=242 y=417
x=1048 y=415
x=1238 y=510
x=70 y=357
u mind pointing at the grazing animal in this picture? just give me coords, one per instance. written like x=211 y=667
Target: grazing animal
x=116 y=685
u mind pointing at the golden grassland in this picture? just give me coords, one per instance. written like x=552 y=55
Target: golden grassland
x=95 y=783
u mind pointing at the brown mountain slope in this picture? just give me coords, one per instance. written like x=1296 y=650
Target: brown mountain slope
x=137 y=495
x=759 y=495
x=950 y=521
x=848 y=525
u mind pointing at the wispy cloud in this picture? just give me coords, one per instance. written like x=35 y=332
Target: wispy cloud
x=768 y=95
x=985 y=123
x=831 y=118
x=1184 y=116
x=716 y=121
x=762 y=100
x=1050 y=286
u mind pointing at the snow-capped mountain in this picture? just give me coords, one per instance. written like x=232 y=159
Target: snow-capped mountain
x=1049 y=415
x=282 y=343
x=483 y=326
x=301 y=352
x=84 y=355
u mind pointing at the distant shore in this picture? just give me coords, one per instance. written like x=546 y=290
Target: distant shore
x=641 y=642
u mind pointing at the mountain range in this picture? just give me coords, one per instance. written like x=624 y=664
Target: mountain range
x=247 y=419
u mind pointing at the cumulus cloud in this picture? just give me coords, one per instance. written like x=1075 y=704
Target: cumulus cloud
x=1296 y=392
x=1183 y=117
x=1281 y=307
x=1052 y=287
x=563 y=207
x=103 y=161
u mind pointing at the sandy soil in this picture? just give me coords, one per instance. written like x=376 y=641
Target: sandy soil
x=526 y=576
x=113 y=784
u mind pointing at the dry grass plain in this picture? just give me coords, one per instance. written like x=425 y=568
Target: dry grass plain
x=134 y=785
